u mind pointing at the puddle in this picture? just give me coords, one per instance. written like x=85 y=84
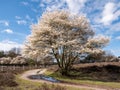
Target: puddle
x=43 y=77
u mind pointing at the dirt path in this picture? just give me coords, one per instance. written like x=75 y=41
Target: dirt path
x=41 y=71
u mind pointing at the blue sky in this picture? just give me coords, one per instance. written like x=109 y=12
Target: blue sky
x=16 y=16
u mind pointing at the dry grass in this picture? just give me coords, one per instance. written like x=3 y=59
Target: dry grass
x=52 y=87
x=7 y=79
x=103 y=71
x=97 y=64
x=100 y=74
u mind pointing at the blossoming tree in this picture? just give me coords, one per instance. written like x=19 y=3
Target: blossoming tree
x=63 y=35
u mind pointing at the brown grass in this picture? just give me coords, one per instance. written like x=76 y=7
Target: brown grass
x=7 y=79
x=103 y=71
x=97 y=64
x=52 y=87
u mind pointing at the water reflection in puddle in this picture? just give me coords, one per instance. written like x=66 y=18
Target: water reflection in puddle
x=43 y=77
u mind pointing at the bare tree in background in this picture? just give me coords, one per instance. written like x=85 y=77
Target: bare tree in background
x=63 y=35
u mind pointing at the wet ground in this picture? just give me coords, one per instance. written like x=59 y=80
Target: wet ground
x=43 y=77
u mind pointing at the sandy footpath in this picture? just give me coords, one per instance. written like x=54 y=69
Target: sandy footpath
x=41 y=71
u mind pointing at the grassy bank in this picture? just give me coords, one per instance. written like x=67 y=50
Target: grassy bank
x=84 y=82
x=106 y=76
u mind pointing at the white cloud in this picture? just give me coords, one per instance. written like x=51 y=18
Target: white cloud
x=7 y=45
x=28 y=18
x=25 y=3
x=115 y=51
x=42 y=5
x=9 y=31
x=110 y=13
x=49 y=1
x=75 y=5
x=112 y=29
x=21 y=22
x=35 y=0
x=52 y=4
x=17 y=17
x=25 y=20
x=4 y=22
x=118 y=38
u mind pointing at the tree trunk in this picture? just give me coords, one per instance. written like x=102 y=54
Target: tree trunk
x=64 y=71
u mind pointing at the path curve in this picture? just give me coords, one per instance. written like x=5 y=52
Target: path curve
x=26 y=74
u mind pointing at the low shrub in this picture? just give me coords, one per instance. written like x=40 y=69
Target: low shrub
x=98 y=72
x=7 y=79
x=48 y=87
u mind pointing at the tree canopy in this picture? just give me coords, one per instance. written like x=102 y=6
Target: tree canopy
x=63 y=35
